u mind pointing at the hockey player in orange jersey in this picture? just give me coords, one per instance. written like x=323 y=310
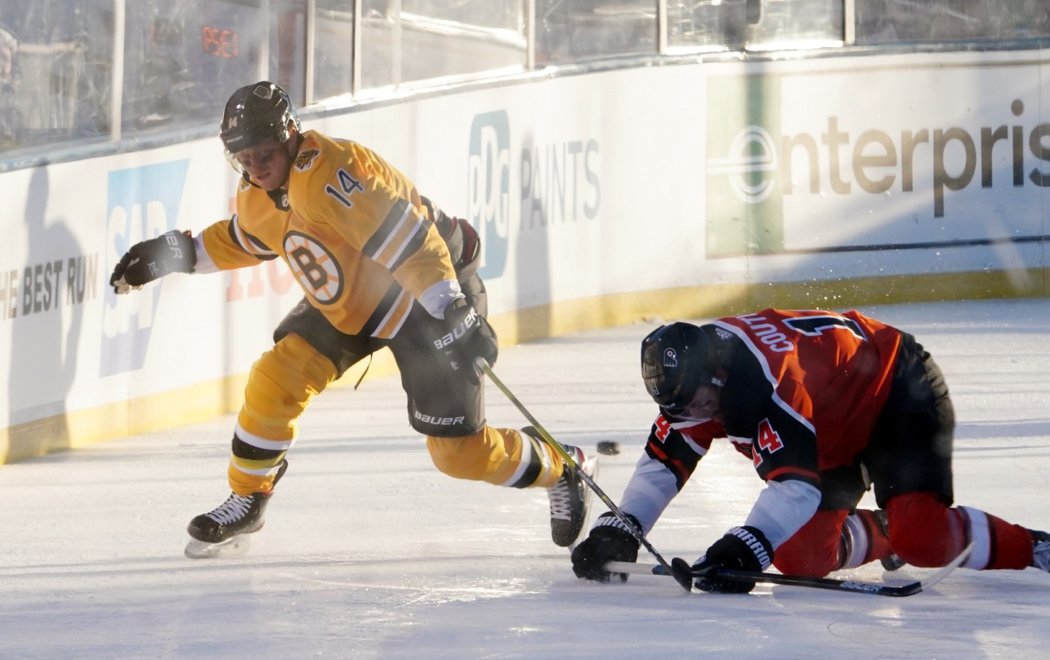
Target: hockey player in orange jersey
x=381 y=266
x=824 y=405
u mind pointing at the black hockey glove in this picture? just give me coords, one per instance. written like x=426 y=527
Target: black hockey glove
x=608 y=541
x=467 y=336
x=742 y=549
x=172 y=252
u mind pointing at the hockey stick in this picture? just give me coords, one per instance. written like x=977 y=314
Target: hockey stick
x=853 y=586
x=632 y=529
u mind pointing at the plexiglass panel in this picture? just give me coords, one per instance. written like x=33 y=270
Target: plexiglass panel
x=411 y=40
x=333 y=48
x=706 y=24
x=793 y=24
x=572 y=30
x=946 y=21
x=179 y=60
x=56 y=64
x=183 y=59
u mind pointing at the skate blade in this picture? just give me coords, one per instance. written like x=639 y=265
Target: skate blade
x=232 y=547
x=590 y=466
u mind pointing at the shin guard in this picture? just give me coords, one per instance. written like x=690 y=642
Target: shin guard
x=926 y=532
x=504 y=457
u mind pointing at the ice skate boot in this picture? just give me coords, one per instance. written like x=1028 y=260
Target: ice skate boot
x=569 y=498
x=224 y=530
x=1040 y=550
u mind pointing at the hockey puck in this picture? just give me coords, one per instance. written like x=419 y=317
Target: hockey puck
x=608 y=447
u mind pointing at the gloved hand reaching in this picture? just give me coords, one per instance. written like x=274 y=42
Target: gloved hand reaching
x=608 y=541
x=172 y=252
x=742 y=549
x=467 y=336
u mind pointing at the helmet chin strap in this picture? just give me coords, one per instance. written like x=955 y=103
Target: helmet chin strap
x=292 y=144
x=297 y=138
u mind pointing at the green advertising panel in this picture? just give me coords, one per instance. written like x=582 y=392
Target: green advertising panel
x=744 y=205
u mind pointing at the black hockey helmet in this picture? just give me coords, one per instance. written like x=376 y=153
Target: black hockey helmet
x=256 y=113
x=676 y=359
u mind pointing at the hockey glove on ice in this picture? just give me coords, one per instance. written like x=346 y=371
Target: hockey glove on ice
x=742 y=549
x=608 y=541
x=467 y=337
x=172 y=252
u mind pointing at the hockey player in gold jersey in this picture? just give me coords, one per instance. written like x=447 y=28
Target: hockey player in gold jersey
x=381 y=266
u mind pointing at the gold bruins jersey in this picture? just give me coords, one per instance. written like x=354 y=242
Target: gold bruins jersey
x=354 y=232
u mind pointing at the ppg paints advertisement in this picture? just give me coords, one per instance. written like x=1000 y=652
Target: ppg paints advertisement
x=603 y=191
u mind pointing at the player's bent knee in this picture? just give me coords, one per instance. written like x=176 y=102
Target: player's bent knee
x=463 y=457
x=924 y=532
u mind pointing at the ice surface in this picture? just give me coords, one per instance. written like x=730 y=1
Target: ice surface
x=369 y=552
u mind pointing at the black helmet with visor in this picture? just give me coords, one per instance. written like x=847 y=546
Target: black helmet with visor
x=676 y=360
x=254 y=114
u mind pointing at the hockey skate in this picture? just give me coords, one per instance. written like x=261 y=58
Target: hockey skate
x=569 y=498
x=224 y=531
x=1040 y=550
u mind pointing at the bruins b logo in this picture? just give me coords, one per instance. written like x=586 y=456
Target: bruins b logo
x=314 y=266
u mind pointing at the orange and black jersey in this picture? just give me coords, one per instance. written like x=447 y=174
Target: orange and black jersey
x=801 y=397
x=805 y=388
x=354 y=232
x=679 y=445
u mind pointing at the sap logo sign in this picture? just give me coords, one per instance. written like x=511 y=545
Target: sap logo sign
x=141 y=203
x=488 y=187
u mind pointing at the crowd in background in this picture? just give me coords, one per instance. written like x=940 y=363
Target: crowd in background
x=176 y=60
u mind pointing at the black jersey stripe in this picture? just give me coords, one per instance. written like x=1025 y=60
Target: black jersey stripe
x=390 y=223
x=532 y=471
x=260 y=246
x=381 y=310
x=242 y=449
x=414 y=244
x=257 y=248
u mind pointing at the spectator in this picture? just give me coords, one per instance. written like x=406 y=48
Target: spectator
x=10 y=116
